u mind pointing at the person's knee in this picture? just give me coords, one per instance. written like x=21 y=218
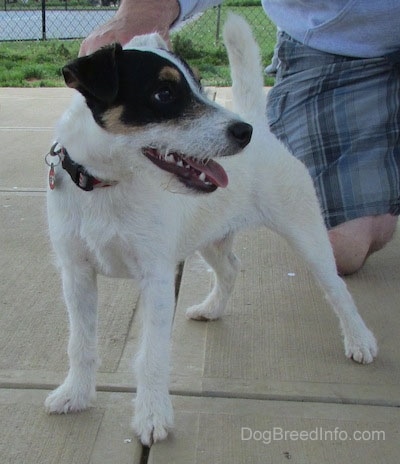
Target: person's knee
x=354 y=241
x=383 y=229
x=350 y=251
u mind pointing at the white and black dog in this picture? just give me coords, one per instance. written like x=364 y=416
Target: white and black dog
x=135 y=187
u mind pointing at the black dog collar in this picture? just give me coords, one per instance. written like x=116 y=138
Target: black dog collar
x=77 y=172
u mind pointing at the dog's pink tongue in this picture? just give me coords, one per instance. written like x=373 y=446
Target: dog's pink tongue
x=214 y=171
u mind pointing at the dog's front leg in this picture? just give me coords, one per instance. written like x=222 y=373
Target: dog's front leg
x=79 y=387
x=153 y=407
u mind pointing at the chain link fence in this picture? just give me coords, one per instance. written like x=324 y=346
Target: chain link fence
x=52 y=19
x=199 y=40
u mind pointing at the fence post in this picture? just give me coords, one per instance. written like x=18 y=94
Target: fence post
x=218 y=24
x=43 y=19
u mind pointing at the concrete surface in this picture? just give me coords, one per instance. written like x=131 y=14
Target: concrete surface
x=268 y=383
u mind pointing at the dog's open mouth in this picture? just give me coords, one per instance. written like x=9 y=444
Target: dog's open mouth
x=205 y=177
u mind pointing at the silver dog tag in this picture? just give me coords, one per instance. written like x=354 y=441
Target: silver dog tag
x=52 y=177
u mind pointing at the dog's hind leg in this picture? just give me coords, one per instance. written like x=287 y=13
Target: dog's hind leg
x=359 y=342
x=79 y=387
x=153 y=408
x=225 y=264
x=300 y=222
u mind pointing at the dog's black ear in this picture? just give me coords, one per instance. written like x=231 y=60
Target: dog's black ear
x=95 y=75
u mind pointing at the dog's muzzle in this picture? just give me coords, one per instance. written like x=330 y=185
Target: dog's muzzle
x=202 y=175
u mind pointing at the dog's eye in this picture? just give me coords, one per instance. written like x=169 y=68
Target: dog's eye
x=164 y=95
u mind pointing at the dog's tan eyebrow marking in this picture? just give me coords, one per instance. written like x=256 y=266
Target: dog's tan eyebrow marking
x=169 y=73
x=112 y=121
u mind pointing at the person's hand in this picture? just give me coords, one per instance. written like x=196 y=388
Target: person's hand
x=134 y=17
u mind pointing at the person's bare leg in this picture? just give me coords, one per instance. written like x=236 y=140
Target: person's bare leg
x=355 y=240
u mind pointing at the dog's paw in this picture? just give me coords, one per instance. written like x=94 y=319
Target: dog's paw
x=362 y=349
x=153 y=417
x=68 y=398
x=201 y=312
x=210 y=310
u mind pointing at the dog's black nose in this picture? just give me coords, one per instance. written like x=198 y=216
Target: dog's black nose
x=241 y=133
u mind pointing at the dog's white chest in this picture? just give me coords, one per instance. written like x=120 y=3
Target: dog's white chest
x=110 y=246
x=114 y=261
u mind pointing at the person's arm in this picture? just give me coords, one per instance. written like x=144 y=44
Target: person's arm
x=134 y=17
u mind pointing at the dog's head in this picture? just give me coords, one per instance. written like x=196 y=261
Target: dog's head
x=147 y=94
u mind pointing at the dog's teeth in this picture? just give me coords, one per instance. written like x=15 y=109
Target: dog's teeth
x=169 y=158
x=202 y=177
x=180 y=163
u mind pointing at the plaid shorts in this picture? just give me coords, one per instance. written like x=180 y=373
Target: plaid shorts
x=341 y=117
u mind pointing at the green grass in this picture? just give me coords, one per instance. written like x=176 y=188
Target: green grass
x=35 y=64
x=202 y=47
x=39 y=63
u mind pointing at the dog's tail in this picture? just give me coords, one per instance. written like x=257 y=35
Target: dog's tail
x=246 y=71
